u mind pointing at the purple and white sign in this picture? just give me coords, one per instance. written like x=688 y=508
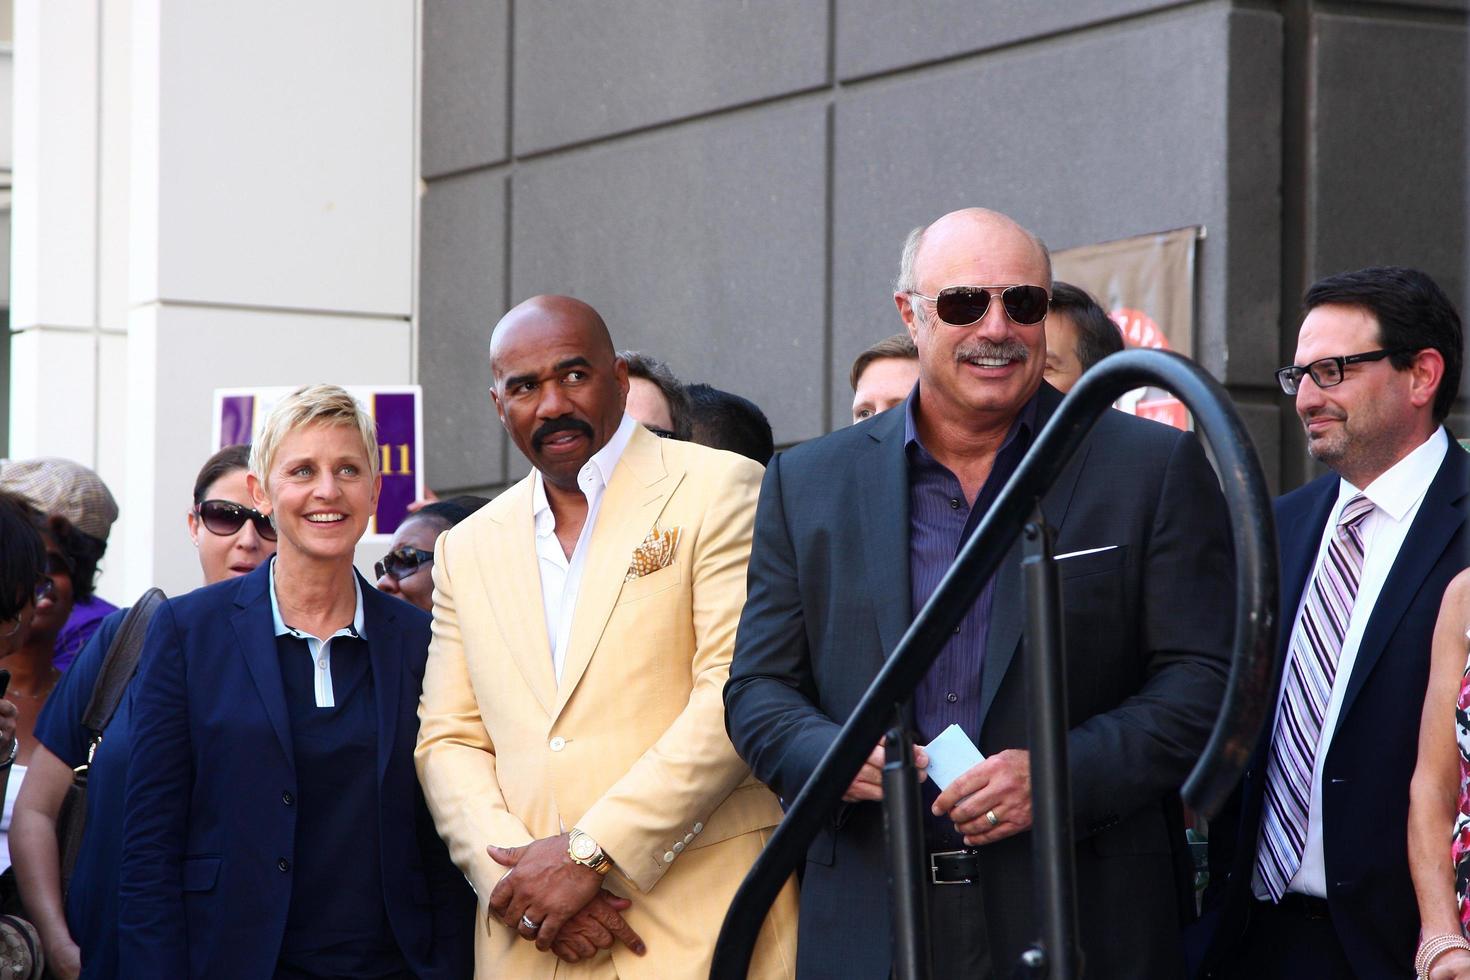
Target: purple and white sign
x=398 y=412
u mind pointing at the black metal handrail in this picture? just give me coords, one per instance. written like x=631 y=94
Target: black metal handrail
x=1254 y=669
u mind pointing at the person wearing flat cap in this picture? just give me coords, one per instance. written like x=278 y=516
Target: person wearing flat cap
x=81 y=511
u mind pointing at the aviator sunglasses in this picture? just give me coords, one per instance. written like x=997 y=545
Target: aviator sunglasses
x=224 y=517
x=960 y=306
x=400 y=563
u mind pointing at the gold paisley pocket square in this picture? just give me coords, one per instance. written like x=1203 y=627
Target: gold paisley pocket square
x=656 y=551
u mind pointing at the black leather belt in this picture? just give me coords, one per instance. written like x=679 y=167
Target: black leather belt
x=1303 y=906
x=954 y=867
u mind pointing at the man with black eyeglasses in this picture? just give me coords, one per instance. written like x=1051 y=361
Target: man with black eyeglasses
x=854 y=532
x=1309 y=869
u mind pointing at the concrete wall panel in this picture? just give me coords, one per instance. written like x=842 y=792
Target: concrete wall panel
x=462 y=295
x=702 y=245
x=587 y=68
x=881 y=35
x=464 y=84
x=1134 y=137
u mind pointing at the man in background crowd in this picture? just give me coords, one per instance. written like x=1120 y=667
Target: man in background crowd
x=883 y=375
x=1079 y=333
x=725 y=420
x=1309 y=866
x=656 y=398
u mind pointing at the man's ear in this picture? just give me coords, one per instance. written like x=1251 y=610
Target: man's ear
x=906 y=314
x=499 y=408
x=1426 y=374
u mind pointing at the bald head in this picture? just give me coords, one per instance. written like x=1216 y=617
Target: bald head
x=565 y=315
x=967 y=228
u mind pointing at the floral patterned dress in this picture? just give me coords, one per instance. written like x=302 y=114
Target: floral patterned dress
x=1460 y=849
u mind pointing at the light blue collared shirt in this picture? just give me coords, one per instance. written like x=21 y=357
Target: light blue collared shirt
x=321 y=650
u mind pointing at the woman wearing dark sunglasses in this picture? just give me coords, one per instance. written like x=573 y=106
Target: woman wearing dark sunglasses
x=82 y=928
x=273 y=825
x=405 y=570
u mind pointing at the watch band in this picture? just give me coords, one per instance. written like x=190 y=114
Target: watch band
x=583 y=850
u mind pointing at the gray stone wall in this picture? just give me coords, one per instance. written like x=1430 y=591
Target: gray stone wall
x=729 y=183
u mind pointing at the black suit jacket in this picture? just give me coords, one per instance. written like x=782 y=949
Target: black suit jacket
x=209 y=819
x=1365 y=777
x=1148 y=626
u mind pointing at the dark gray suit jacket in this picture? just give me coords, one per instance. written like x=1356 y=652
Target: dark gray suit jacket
x=1148 y=626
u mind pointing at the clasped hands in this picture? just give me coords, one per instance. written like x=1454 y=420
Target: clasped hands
x=569 y=912
x=990 y=801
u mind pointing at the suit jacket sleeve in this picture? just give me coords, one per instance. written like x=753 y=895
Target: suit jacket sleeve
x=692 y=767
x=771 y=700
x=160 y=779
x=1141 y=750
x=455 y=756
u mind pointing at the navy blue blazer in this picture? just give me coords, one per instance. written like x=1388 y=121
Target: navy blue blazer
x=1365 y=776
x=209 y=823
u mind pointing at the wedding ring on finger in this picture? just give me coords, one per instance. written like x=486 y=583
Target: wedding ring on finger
x=992 y=818
x=533 y=926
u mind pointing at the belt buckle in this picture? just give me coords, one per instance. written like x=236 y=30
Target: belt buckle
x=934 y=867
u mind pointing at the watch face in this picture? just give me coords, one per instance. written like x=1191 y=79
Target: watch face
x=583 y=848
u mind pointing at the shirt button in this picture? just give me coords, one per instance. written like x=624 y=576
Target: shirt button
x=668 y=857
x=322 y=664
x=283 y=864
x=557 y=744
x=951 y=697
x=287 y=798
x=957 y=631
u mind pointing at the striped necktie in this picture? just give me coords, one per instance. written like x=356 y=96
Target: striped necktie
x=1310 y=669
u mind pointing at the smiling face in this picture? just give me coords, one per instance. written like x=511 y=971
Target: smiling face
x=223 y=556
x=1368 y=422
x=321 y=492
x=981 y=373
x=884 y=383
x=559 y=386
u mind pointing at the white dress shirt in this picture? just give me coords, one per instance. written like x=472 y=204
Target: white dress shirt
x=320 y=650
x=561 y=578
x=1396 y=496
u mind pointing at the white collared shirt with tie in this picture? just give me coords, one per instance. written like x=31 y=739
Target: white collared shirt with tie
x=1396 y=496
x=561 y=578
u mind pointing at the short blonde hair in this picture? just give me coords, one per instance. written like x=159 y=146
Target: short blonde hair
x=311 y=405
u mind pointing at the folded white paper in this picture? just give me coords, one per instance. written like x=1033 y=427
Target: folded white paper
x=950 y=755
x=1089 y=551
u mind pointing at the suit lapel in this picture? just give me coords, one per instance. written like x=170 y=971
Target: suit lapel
x=1008 y=601
x=254 y=630
x=635 y=496
x=385 y=651
x=1440 y=515
x=1301 y=535
x=884 y=505
x=508 y=564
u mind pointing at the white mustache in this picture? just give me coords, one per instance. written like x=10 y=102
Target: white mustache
x=1010 y=350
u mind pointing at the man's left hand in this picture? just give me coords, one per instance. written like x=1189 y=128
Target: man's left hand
x=999 y=786
x=544 y=885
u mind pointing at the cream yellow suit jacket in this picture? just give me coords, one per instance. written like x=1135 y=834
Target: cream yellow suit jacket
x=631 y=746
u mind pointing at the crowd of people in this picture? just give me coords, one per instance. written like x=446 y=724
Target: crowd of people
x=556 y=735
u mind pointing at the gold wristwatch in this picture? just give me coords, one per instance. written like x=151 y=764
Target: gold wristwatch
x=582 y=849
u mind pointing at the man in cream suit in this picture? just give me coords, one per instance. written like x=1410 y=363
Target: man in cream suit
x=572 y=743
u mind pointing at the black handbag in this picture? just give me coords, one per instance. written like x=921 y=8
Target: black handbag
x=117 y=672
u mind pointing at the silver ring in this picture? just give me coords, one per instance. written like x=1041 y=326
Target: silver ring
x=533 y=926
x=990 y=815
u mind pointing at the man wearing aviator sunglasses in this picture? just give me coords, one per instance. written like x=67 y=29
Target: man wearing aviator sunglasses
x=853 y=534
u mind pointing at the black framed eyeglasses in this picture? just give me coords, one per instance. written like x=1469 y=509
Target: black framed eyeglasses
x=400 y=563
x=961 y=306
x=1328 y=372
x=225 y=517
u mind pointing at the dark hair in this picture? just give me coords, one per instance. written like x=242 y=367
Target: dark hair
x=222 y=463
x=81 y=551
x=22 y=554
x=724 y=420
x=657 y=373
x=448 y=513
x=1097 y=334
x=1412 y=312
x=900 y=345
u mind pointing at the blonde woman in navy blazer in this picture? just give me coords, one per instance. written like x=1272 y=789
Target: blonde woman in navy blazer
x=273 y=823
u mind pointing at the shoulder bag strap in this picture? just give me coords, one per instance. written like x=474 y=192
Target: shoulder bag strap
x=120 y=664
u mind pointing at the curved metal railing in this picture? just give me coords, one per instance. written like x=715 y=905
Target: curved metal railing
x=1254 y=671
